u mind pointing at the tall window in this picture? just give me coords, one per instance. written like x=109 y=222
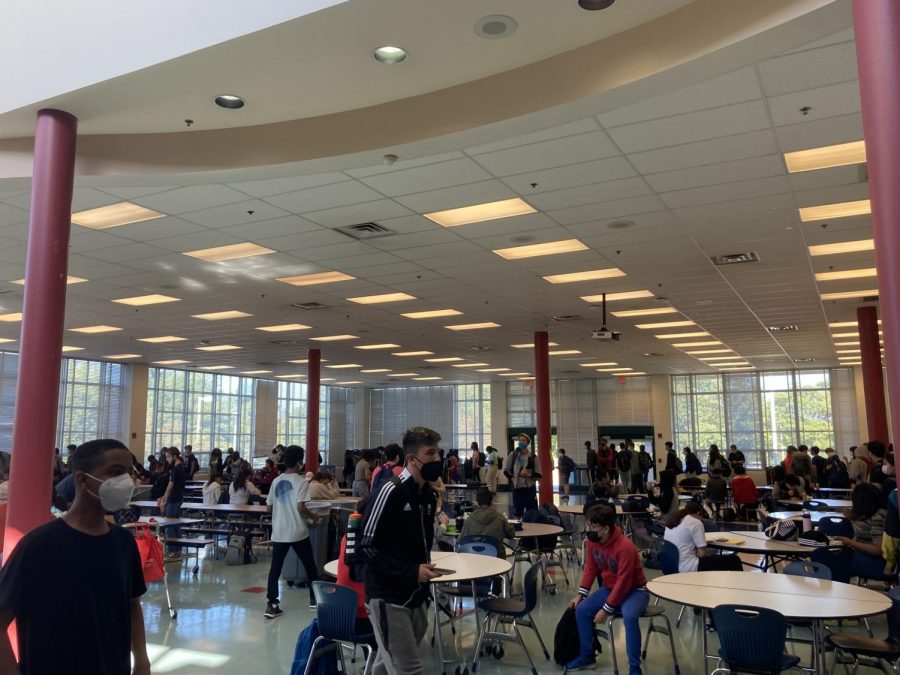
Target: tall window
x=292 y=398
x=205 y=410
x=761 y=413
x=473 y=414
x=92 y=402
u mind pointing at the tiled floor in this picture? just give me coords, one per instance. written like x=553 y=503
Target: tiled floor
x=220 y=628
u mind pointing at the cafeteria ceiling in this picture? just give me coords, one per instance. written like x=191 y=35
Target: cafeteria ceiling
x=654 y=178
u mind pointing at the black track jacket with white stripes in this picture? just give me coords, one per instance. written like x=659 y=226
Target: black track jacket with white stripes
x=397 y=534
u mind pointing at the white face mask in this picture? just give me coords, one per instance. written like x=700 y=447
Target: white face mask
x=115 y=493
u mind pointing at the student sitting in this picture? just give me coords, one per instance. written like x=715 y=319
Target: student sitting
x=611 y=556
x=685 y=530
x=743 y=491
x=664 y=496
x=716 y=492
x=322 y=487
x=601 y=490
x=487 y=521
x=212 y=491
x=242 y=489
x=790 y=487
x=868 y=518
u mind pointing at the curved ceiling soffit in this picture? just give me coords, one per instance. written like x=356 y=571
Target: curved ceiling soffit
x=630 y=71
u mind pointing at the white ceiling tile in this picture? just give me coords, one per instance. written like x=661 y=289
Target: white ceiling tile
x=307 y=240
x=808 y=69
x=10 y=215
x=159 y=228
x=83 y=240
x=239 y=213
x=454 y=197
x=825 y=178
x=733 y=208
x=836 y=100
x=714 y=174
x=607 y=210
x=274 y=186
x=190 y=198
x=90 y=198
x=124 y=254
x=403 y=164
x=427 y=238
x=427 y=254
x=324 y=197
x=710 y=194
x=429 y=177
x=572 y=175
x=833 y=195
x=197 y=240
x=819 y=132
x=548 y=154
x=591 y=194
x=741 y=146
x=134 y=192
x=559 y=131
x=359 y=213
x=276 y=227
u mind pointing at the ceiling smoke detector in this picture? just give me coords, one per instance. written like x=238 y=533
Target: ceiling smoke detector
x=735 y=258
x=495 y=26
x=653 y=355
x=595 y=5
x=567 y=317
x=778 y=329
x=308 y=305
x=620 y=224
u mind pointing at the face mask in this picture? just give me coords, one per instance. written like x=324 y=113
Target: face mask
x=431 y=471
x=115 y=493
x=593 y=537
x=522 y=444
x=888 y=469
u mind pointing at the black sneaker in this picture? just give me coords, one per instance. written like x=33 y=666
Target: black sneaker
x=273 y=611
x=312 y=606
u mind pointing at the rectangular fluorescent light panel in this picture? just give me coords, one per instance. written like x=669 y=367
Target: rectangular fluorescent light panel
x=702 y=343
x=162 y=339
x=598 y=365
x=846 y=324
x=122 y=356
x=590 y=275
x=384 y=297
x=710 y=351
x=613 y=297
x=493 y=370
x=445 y=359
x=283 y=327
x=513 y=374
x=564 y=352
x=351 y=382
x=530 y=345
x=645 y=312
x=171 y=362
x=850 y=343
x=611 y=370
x=383 y=345
x=6 y=340
x=473 y=326
x=479 y=213
x=73 y=349
x=114 y=215
x=220 y=316
x=143 y=300
x=255 y=372
x=843 y=247
x=678 y=336
x=431 y=314
x=69 y=280
x=376 y=370
x=217 y=367
x=831 y=211
x=719 y=358
x=665 y=324
x=535 y=250
x=292 y=375
x=317 y=278
x=95 y=329
x=427 y=379
x=334 y=338
x=826 y=157
x=470 y=365
x=848 y=351
x=847 y=295
x=403 y=375
x=418 y=353
x=846 y=274
x=345 y=365
x=218 y=348
x=230 y=252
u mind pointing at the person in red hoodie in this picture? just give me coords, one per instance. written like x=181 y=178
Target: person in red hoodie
x=623 y=588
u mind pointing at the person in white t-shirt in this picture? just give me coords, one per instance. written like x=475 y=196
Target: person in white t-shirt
x=287 y=503
x=686 y=532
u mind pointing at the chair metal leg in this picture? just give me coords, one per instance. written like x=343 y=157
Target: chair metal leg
x=369 y=652
x=484 y=629
x=612 y=645
x=524 y=648
x=309 y=661
x=672 y=643
x=540 y=639
x=680 y=614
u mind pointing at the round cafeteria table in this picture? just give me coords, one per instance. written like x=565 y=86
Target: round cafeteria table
x=772 y=551
x=797 y=598
x=815 y=516
x=832 y=504
x=331 y=567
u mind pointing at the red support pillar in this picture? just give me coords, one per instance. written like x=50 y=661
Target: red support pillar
x=313 y=376
x=43 y=311
x=877 y=27
x=542 y=387
x=873 y=380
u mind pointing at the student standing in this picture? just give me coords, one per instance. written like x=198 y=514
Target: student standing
x=170 y=503
x=100 y=590
x=566 y=467
x=493 y=460
x=287 y=503
x=397 y=535
x=623 y=588
x=191 y=464
x=590 y=459
x=521 y=466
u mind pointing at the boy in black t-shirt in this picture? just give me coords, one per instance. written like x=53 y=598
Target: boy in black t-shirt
x=100 y=591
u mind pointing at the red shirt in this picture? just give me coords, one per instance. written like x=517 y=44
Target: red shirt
x=743 y=489
x=619 y=566
x=605 y=462
x=343 y=579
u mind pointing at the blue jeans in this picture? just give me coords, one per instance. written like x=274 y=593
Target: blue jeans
x=866 y=566
x=632 y=608
x=172 y=509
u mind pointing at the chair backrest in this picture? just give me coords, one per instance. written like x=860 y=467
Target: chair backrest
x=480 y=548
x=751 y=638
x=813 y=570
x=893 y=615
x=813 y=505
x=529 y=587
x=836 y=560
x=835 y=526
x=336 y=611
x=668 y=558
x=477 y=539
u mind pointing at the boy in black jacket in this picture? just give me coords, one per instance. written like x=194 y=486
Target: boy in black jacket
x=397 y=534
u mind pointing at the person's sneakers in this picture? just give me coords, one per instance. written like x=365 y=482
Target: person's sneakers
x=312 y=605
x=273 y=610
x=581 y=662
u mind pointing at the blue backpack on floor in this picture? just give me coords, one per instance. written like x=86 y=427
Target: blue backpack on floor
x=326 y=664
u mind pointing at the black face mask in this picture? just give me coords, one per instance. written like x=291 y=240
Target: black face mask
x=593 y=537
x=431 y=471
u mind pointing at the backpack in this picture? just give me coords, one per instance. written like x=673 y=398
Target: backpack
x=225 y=495
x=384 y=476
x=645 y=461
x=551 y=514
x=783 y=530
x=512 y=460
x=235 y=553
x=499 y=463
x=729 y=515
x=623 y=460
x=693 y=464
x=839 y=475
x=566 y=645
x=325 y=663
x=679 y=467
x=636 y=504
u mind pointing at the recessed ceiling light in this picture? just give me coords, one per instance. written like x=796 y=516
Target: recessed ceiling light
x=114 y=215
x=255 y=372
x=217 y=367
x=564 y=352
x=220 y=316
x=480 y=213
x=843 y=247
x=728 y=364
x=473 y=326
x=826 y=157
x=283 y=327
x=431 y=314
x=513 y=374
x=390 y=55
x=645 y=312
x=95 y=329
x=599 y=364
x=665 y=324
x=841 y=210
x=383 y=345
x=229 y=252
x=427 y=379
x=444 y=359
x=530 y=345
x=846 y=324
x=317 y=278
x=290 y=376
x=384 y=297
x=534 y=250
x=403 y=375
x=849 y=335
x=849 y=295
x=590 y=275
x=376 y=370
x=121 y=356
x=678 y=336
x=69 y=280
x=334 y=338
x=702 y=343
x=417 y=353
x=229 y=101
x=710 y=351
x=143 y=300
x=613 y=297
x=171 y=362
x=351 y=382
x=345 y=365
x=302 y=361
x=492 y=370
x=73 y=349
x=470 y=365
x=162 y=339
x=846 y=274
x=218 y=348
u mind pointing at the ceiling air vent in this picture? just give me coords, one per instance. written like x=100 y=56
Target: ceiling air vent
x=308 y=305
x=735 y=258
x=653 y=355
x=779 y=329
x=479 y=348
x=568 y=317
x=284 y=342
x=365 y=231
x=806 y=360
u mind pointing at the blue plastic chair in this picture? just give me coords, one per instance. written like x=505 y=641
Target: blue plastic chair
x=835 y=526
x=814 y=505
x=336 y=615
x=752 y=640
x=477 y=539
x=836 y=560
x=812 y=570
x=855 y=645
x=668 y=562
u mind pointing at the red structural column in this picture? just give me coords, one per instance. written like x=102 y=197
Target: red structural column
x=313 y=376
x=43 y=311
x=877 y=27
x=542 y=387
x=873 y=380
